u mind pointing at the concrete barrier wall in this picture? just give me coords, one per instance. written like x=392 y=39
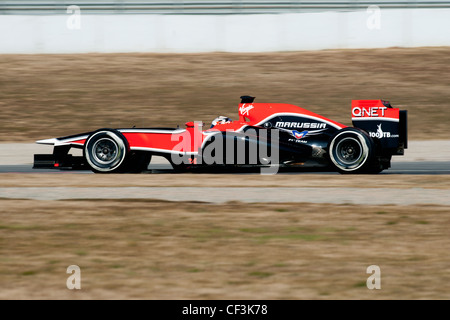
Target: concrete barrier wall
x=230 y=33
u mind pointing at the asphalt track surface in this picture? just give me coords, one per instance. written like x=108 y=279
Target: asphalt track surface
x=412 y=168
x=342 y=195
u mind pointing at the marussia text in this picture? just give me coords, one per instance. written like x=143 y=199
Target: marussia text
x=231 y=309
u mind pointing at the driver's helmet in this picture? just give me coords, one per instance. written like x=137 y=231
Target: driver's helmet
x=220 y=120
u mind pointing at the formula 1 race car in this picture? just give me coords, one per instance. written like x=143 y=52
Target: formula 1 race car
x=266 y=135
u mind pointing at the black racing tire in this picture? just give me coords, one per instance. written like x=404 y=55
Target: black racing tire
x=351 y=150
x=105 y=151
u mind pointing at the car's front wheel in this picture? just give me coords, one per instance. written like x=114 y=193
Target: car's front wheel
x=105 y=151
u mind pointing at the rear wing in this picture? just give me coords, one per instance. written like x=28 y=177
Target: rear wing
x=385 y=124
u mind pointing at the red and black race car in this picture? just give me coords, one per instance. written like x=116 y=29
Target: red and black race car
x=266 y=135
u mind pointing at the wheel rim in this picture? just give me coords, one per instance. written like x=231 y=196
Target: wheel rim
x=105 y=151
x=348 y=151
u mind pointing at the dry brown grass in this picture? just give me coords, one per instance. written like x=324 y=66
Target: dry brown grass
x=43 y=96
x=164 y=250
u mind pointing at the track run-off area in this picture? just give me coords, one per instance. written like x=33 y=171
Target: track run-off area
x=422 y=176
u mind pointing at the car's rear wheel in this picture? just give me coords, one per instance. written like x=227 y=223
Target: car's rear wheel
x=351 y=151
x=105 y=151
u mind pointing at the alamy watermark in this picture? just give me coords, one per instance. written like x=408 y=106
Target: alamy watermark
x=254 y=146
x=74 y=280
x=374 y=281
x=373 y=21
x=73 y=22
